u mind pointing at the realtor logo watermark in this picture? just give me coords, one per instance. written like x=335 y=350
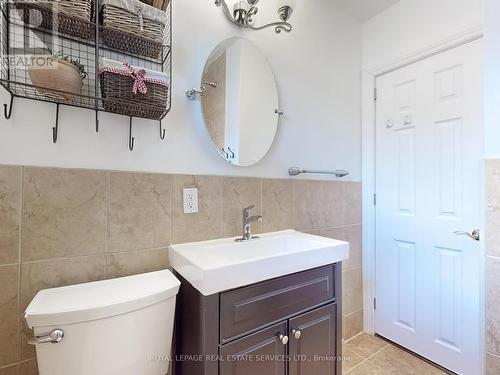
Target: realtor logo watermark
x=40 y=62
x=245 y=358
x=27 y=47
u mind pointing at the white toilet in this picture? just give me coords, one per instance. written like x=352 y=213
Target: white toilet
x=112 y=327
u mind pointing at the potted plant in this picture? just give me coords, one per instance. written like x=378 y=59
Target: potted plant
x=57 y=72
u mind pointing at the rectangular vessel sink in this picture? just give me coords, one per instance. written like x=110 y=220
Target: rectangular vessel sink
x=218 y=265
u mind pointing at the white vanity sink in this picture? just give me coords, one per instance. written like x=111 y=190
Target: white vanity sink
x=218 y=265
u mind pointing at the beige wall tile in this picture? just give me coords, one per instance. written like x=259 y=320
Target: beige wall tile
x=50 y=274
x=493 y=305
x=207 y=223
x=139 y=209
x=63 y=214
x=135 y=262
x=239 y=193
x=11 y=370
x=9 y=325
x=28 y=368
x=307 y=209
x=352 y=203
x=493 y=207
x=10 y=216
x=352 y=291
x=353 y=324
x=277 y=205
x=353 y=235
x=492 y=364
x=318 y=204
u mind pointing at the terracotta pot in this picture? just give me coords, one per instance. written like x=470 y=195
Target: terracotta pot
x=55 y=74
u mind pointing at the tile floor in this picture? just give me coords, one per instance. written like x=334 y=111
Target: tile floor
x=368 y=355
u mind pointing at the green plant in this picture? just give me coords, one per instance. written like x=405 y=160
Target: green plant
x=81 y=68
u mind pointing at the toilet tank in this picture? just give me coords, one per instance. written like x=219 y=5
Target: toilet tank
x=112 y=327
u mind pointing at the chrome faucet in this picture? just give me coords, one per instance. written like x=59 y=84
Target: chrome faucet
x=247 y=224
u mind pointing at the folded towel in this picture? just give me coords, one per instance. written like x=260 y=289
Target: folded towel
x=140 y=9
x=150 y=76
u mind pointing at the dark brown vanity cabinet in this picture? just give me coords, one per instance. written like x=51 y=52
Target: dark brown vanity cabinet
x=285 y=326
x=313 y=344
x=261 y=353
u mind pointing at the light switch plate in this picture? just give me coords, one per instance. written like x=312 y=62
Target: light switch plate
x=190 y=200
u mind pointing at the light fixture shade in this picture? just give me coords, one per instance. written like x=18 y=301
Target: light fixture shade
x=284 y=3
x=242 y=4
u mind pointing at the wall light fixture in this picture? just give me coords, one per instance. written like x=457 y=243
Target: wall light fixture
x=244 y=13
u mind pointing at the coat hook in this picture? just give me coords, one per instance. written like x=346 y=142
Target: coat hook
x=162 y=132
x=55 y=129
x=130 y=138
x=225 y=154
x=7 y=110
x=279 y=112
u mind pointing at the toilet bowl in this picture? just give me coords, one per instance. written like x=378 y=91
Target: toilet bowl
x=119 y=326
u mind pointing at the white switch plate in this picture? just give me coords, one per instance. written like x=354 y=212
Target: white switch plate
x=190 y=200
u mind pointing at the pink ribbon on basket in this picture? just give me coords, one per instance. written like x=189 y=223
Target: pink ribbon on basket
x=138 y=76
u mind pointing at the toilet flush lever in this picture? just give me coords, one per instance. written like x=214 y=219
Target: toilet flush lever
x=52 y=337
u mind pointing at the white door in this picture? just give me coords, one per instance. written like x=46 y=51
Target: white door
x=428 y=180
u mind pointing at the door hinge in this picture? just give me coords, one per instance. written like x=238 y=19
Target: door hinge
x=374 y=304
x=375 y=94
x=374 y=199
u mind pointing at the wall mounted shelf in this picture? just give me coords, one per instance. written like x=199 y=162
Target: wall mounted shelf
x=20 y=41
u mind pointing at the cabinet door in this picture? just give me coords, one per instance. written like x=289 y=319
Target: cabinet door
x=313 y=342
x=262 y=353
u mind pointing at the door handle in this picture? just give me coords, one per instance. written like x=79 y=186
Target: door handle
x=475 y=235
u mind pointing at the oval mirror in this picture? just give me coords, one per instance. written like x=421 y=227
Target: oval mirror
x=240 y=101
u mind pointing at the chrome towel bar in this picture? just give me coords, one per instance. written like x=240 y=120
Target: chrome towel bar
x=295 y=171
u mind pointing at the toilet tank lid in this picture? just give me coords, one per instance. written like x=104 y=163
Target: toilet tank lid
x=100 y=299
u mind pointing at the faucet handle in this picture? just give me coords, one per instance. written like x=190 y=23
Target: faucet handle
x=246 y=211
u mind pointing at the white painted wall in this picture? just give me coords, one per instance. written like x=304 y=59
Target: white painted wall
x=492 y=79
x=317 y=68
x=411 y=25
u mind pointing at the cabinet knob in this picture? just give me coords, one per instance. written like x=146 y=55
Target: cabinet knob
x=283 y=339
x=296 y=333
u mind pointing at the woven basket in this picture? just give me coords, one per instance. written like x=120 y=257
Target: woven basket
x=73 y=16
x=122 y=31
x=116 y=91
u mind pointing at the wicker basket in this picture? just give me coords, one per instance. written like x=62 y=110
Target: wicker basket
x=131 y=32
x=73 y=16
x=116 y=91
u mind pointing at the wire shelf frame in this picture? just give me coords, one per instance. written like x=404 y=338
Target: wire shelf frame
x=21 y=42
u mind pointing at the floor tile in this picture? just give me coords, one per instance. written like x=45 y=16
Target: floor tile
x=382 y=358
x=11 y=370
x=366 y=369
x=350 y=360
x=365 y=345
x=396 y=361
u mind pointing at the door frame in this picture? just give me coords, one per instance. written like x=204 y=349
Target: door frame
x=368 y=125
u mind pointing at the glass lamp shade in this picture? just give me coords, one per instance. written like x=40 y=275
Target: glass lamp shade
x=287 y=3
